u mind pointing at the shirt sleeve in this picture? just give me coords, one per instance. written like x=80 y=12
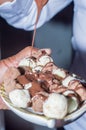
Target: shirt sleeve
x=23 y=13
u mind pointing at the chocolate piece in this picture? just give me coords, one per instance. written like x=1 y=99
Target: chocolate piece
x=22 y=80
x=37 y=102
x=58 y=89
x=36 y=87
x=73 y=84
x=30 y=77
x=48 y=67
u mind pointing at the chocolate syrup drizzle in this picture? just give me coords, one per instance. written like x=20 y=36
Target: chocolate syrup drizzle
x=40 y=4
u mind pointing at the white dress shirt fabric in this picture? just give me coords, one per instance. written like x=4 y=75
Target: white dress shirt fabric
x=22 y=14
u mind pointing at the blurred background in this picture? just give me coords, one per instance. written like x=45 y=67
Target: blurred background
x=55 y=34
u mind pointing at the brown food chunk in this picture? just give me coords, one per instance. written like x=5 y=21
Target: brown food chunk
x=22 y=80
x=36 y=87
x=37 y=102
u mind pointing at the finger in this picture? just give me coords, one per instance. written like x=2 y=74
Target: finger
x=3 y=105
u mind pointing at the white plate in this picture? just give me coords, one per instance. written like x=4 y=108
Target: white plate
x=40 y=119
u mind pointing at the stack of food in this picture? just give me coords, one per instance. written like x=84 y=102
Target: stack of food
x=45 y=88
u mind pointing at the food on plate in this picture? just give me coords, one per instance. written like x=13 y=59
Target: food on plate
x=19 y=97
x=39 y=84
x=73 y=100
x=55 y=106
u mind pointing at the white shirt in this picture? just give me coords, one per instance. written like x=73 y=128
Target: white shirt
x=22 y=14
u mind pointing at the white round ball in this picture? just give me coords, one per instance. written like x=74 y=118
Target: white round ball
x=55 y=106
x=43 y=60
x=19 y=98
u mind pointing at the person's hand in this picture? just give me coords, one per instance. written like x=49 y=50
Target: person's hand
x=3 y=1
x=13 y=61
